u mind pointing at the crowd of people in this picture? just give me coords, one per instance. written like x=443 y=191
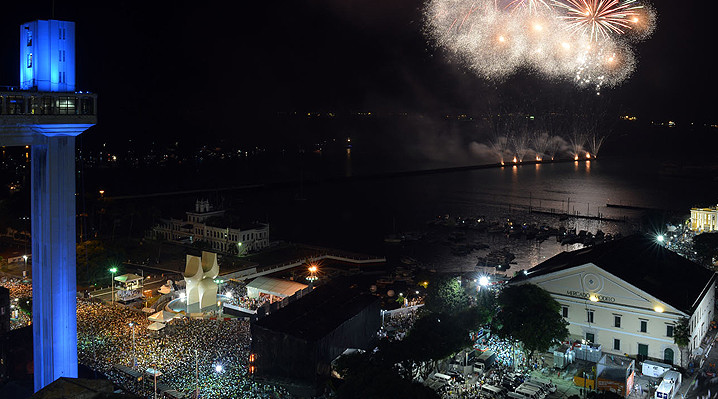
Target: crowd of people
x=395 y=324
x=506 y=352
x=19 y=289
x=252 y=303
x=209 y=355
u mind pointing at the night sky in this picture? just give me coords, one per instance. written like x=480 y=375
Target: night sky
x=171 y=69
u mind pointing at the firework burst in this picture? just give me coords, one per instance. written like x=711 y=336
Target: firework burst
x=600 y=19
x=586 y=41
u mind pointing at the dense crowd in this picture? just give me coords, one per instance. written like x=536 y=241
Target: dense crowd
x=506 y=353
x=187 y=352
x=397 y=323
x=18 y=289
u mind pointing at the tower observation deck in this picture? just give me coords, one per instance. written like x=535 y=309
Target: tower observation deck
x=47 y=113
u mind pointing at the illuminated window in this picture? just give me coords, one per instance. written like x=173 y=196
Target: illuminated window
x=29 y=60
x=29 y=37
x=66 y=105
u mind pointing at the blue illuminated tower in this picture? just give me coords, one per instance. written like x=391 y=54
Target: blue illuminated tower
x=46 y=112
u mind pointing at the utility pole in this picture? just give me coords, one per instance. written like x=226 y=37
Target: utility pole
x=196 y=373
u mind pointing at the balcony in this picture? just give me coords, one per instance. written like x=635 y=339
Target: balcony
x=39 y=108
x=27 y=116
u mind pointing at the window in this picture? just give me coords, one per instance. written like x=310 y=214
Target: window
x=29 y=60
x=669 y=331
x=617 y=321
x=590 y=337
x=29 y=36
x=14 y=105
x=564 y=311
x=589 y=314
x=616 y=344
x=66 y=105
x=642 y=351
x=644 y=326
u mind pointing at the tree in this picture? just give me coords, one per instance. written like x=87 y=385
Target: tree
x=706 y=247
x=94 y=258
x=445 y=295
x=529 y=314
x=367 y=376
x=682 y=333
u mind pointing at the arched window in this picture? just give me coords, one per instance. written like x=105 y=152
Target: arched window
x=668 y=356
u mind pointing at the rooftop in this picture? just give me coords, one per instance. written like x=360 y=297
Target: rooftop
x=319 y=312
x=640 y=261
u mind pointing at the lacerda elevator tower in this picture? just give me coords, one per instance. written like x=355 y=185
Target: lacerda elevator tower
x=46 y=112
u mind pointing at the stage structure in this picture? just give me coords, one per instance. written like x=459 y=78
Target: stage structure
x=199 y=275
x=45 y=114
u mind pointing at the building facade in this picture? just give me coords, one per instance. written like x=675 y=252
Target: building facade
x=629 y=296
x=704 y=219
x=209 y=225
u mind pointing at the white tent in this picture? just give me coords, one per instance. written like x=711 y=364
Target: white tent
x=162 y=316
x=156 y=326
x=273 y=286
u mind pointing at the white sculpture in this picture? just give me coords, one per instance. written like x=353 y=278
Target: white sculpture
x=199 y=275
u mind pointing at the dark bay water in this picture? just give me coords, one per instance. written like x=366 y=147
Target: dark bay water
x=357 y=212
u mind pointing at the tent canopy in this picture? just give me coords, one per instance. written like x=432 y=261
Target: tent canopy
x=273 y=286
x=128 y=277
x=162 y=316
x=156 y=326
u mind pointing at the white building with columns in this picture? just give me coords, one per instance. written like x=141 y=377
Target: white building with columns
x=628 y=296
x=704 y=219
x=213 y=227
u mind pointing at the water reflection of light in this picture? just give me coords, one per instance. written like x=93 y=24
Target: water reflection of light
x=588 y=166
x=348 y=165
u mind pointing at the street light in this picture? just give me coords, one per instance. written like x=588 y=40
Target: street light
x=113 y=270
x=24 y=272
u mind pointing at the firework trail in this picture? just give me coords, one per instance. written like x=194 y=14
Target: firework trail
x=499 y=145
x=576 y=141
x=587 y=41
x=595 y=142
x=540 y=143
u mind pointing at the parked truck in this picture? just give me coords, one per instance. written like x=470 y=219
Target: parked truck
x=484 y=361
x=669 y=385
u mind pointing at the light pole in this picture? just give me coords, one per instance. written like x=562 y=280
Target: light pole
x=196 y=374
x=155 y=374
x=113 y=270
x=24 y=272
x=134 y=352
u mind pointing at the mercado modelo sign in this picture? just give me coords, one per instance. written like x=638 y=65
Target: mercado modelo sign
x=590 y=296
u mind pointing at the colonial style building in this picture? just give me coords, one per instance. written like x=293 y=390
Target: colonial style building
x=628 y=296
x=704 y=219
x=211 y=226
